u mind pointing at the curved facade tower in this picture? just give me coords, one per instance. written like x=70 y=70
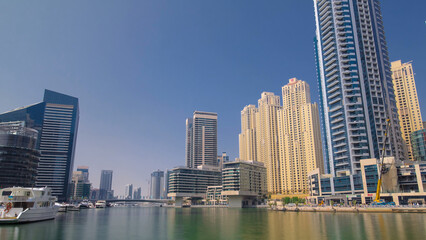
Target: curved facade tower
x=18 y=155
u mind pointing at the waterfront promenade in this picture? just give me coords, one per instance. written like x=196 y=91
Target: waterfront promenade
x=357 y=209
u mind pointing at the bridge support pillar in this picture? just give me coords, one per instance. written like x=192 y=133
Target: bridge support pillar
x=178 y=201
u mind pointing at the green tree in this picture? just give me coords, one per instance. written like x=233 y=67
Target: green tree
x=286 y=200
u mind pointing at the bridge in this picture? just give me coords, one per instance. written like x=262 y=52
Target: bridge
x=137 y=200
x=128 y=200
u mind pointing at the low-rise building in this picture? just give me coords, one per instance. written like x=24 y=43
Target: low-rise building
x=244 y=183
x=400 y=183
x=192 y=182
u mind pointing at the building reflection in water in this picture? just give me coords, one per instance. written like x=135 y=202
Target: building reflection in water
x=209 y=223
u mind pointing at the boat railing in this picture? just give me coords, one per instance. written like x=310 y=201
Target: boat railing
x=13 y=198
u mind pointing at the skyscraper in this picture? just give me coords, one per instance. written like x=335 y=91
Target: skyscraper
x=128 y=194
x=137 y=194
x=299 y=137
x=56 y=120
x=105 y=184
x=355 y=84
x=267 y=139
x=407 y=102
x=247 y=137
x=166 y=183
x=201 y=139
x=157 y=185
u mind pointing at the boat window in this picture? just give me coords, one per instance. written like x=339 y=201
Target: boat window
x=6 y=193
x=28 y=204
x=27 y=194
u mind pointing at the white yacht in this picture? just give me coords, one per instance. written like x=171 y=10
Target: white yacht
x=100 y=204
x=20 y=204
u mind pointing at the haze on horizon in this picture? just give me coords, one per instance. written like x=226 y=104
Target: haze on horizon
x=139 y=68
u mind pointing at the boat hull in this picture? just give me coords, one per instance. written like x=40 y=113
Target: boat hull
x=32 y=215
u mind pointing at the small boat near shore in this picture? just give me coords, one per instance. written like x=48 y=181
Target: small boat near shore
x=65 y=207
x=19 y=205
x=101 y=204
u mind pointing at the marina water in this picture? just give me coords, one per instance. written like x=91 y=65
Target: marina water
x=218 y=223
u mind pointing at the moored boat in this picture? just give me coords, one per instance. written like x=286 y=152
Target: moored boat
x=100 y=204
x=21 y=204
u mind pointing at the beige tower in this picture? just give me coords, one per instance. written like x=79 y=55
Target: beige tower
x=407 y=102
x=299 y=138
x=247 y=137
x=267 y=139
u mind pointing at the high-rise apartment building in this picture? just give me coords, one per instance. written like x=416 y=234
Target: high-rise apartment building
x=258 y=139
x=56 y=120
x=247 y=137
x=407 y=102
x=355 y=87
x=105 y=186
x=299 y=137
x=267 y=139
x=128 y=192
x=157 y=185
x=201 y=139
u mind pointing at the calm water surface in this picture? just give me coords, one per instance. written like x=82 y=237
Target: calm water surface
x=208 y=223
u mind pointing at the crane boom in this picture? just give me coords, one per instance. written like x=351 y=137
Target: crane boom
x=382 y=169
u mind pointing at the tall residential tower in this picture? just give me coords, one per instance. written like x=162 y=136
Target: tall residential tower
x=355 y=84
x=247 y=137
x=299 y=138
x=267 y=139
x=407 y=101
x=201 y=139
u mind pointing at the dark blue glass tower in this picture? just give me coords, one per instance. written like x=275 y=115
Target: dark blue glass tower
x=56 y=119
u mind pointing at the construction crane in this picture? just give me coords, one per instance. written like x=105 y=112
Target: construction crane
x=383 y=169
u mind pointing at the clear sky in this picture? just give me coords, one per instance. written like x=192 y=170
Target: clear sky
x=139 y=68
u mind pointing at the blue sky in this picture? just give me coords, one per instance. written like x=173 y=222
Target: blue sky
x=140 y=68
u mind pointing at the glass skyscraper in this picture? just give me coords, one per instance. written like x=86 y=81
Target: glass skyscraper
x=157 y=185
x=56 y=120
x=105 y=186
x=355 y=85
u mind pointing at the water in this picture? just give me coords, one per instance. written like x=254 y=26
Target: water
x=219 y=223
